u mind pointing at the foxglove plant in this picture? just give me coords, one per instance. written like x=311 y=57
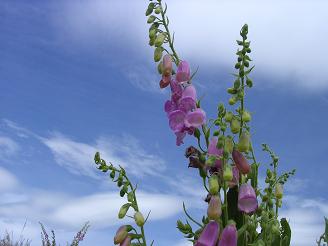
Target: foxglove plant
x=239 y=211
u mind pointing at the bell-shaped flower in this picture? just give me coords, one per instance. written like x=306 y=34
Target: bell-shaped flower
x=240 y=162
x=247 y=201
x=170 y=106
x=190 y=91
x=126 y=242
x=166 y=71
x=183 y=72
x=195 y=118
x=121 y=234
x=209 y=235
x=176 y=120
x=228 y=236
x=214 y=208
x=180 y=136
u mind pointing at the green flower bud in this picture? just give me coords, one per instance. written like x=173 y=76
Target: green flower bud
x=246 y=116
x=151 y=19
x=240 y=95
x=240 y=58
x=216 y=133
x=152 y=33
x=236 y=84
x=228 y=146
x=158 y=54
x=151 y=42
x=123 y=210
x=220 y=142
x=246 y=63
x=139 y=219
x=249 y=82
x=160 y=67
x=232 y=100
x=243 y=145
x=231 y=90
x=279 y=191
x=159 y=39
x=228 y=116
x=130 y=197
x=235 y=125
x=158 y=10
x=213 y=184
x=112 y=174
x=227 y=173
x=248 y=50
x=150 y=9
x=237 y=66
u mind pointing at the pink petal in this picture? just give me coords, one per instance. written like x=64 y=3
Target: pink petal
x=187 y=104
x=169 y=106
x=176 y=120
x=209 y=235
x=195 y=118
x=229 y=236
x=189 y=91
x=183 y=72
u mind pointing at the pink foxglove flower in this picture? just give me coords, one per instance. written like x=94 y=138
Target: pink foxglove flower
x=209 y=235
x=121 y=234
x=228 y=236
x=214 y=208
x=195 y=118
x=235 y=178
x=176 y=120
x=126 y=242
x=183 y=72
x=240 y=162
x=247 y=201
x=166 y=72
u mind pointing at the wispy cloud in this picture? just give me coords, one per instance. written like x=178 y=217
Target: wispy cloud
x=288 y=37
x=7 y=180
x=7 y=147
x=77 y=157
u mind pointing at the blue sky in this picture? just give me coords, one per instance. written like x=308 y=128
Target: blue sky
x=78 y=76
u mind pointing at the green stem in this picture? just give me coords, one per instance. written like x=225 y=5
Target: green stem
x=170 y=40
x=184 y=209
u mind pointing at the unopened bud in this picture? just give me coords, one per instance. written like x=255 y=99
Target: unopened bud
x=214 y=210
x=228 y=146
x=228 y=116
x=246 y=116
x=160 y=67
x=158 y=10
x=243 y=145
x=220 y=142
x=279 y=191
x=249 y=82
x=151 y=19
x=213 y=185
x=121 y=234
x=235 y=125
x=123 y=210
x=227 y=173
x=139 y=219
x=158 y=54
x=159 y=40
x=232 y=100
x=152 y=33
x=150 y=9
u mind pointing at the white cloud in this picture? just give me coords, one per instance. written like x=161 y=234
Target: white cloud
x=306 y=218
x=126 y=151
x=7 y=180
x=288 y=37
x=7 y=146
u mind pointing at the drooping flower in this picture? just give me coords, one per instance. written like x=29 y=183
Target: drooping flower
x=214 y=208
x=180 y=136
x=121 y=234
x=228 y=236
x=209 y=235
x=126 y=242
x=183 y=72
x=176 y=90
x=166 y=71
x=195 y=118
x=240 y=162
x=247 y=201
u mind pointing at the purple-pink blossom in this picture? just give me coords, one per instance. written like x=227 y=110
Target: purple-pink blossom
x=247 y=201
x=214 y=151
x=183 y=72
x=228 y=236
x=209 y=235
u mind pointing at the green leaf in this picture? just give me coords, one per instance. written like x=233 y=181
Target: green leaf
x=285 y=232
